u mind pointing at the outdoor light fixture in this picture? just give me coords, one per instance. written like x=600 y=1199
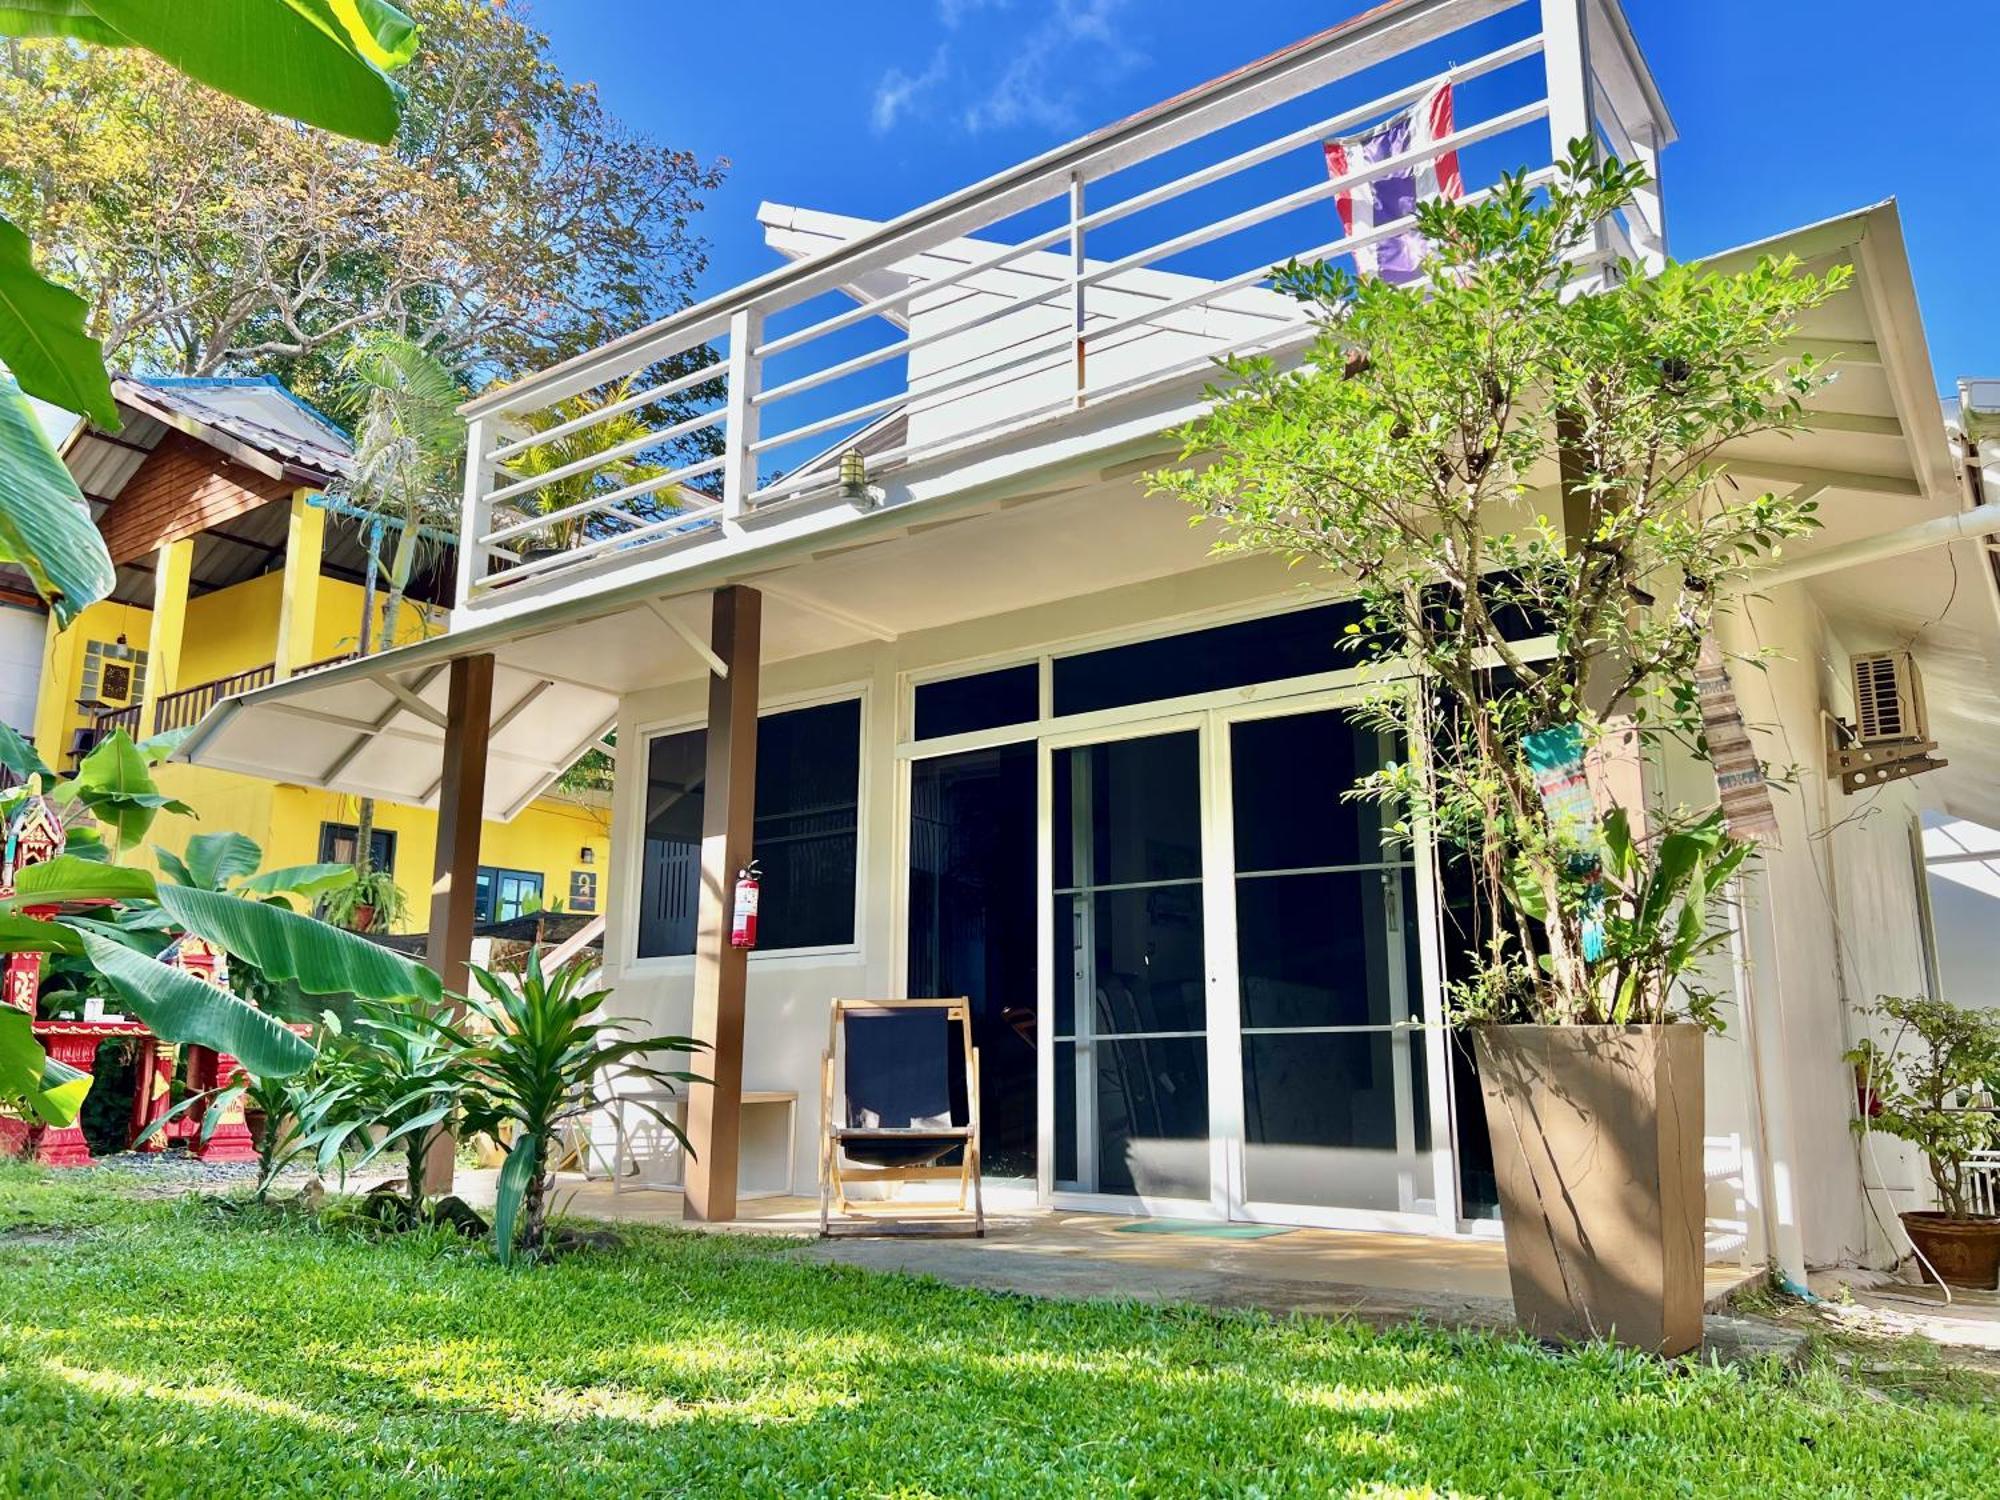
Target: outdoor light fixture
x=586 y=855
x=118 y=649
x=854 y=474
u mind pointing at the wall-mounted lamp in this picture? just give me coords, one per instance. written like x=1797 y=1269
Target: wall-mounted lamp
x=586 y=855
x=854 y=474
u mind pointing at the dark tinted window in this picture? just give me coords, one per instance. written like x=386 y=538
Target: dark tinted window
x=985 y=700
x=1299 y=643
x=808 y=786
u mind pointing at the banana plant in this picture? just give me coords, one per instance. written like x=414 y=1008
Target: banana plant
x=322 y=62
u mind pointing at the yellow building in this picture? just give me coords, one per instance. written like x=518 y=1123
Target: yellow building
x=235 y=567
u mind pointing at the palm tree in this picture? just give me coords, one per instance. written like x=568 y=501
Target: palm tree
x=408 y=450
x=618 y=429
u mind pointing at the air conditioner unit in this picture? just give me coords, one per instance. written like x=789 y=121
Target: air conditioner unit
x=1890 y=736
x=1888 y=699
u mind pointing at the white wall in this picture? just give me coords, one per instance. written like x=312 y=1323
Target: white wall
x=23 y=633
x=1836 y=921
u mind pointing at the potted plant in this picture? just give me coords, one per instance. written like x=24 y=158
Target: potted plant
x=1932 y=1081
x=372 y=902
x=1502 y=454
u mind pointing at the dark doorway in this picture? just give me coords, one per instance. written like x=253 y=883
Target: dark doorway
x=972 y=926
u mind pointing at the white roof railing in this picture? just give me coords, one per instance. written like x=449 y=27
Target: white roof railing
x=1132 y=258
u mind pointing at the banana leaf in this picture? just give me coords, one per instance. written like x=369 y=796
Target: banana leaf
x=323 y=959
x=65 y=18
x=42 y=339
x=45 y=524
x=181 y=1008
x=68 y=877
x=321 y=62
x=309 y=881
x=30 y=1081
x=214 y=859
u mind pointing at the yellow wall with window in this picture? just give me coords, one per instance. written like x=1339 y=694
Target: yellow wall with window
x=236 y=630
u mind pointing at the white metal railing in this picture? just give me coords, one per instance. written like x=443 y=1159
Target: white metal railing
x=1982 y=1182
x=1127 y=261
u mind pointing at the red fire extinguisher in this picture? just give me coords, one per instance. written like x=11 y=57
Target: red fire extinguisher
x=743 y=912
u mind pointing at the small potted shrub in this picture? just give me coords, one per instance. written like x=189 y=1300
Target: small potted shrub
x=1931 y=1081
x=372 y=903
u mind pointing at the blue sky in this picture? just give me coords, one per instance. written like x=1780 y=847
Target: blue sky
x=1788 y=111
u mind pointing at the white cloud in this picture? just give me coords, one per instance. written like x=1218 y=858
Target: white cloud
x=951 y=12
x=898 y=91
x=1042 y=83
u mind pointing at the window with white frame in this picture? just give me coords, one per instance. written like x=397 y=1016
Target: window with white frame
x=805 y=841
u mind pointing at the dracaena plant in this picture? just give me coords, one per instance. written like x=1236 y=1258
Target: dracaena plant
x=548 y=1057
x=1525 y=439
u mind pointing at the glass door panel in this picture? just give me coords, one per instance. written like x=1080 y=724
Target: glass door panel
x=1130 y=1024
x=1335 y=1098
x=972 y=927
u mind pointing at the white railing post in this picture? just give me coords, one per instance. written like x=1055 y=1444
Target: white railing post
x=1648 y=203
x=476 y=514
x=1566 y=61
x=1078 y=293
x=739 y=428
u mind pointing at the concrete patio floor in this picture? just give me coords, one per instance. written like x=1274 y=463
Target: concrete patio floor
x=1377 y=1278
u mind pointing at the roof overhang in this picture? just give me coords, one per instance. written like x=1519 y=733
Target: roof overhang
x=375 y=728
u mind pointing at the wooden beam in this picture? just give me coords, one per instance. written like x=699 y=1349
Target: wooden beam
x=413 y=703
x=455 y=868
x=721 y=972
x=1833 y=479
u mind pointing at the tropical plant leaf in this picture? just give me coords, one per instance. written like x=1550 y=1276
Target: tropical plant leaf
x=523 y=1161
x=283 y=945
x=45 y=523
x=115 y=781
x=20 y=757
x=42 y=338
x=172 y=866
x=65 y=18
x=310 y=881
x=214 y=859
x=30 y=1081
x=181 y=1008
x=20 y=934
x=68 y=877
x=317 y=61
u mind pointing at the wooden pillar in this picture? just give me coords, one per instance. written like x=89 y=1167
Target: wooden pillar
x=298 y=613
x=455 y=869
x=173 y=564
x=715 y=1109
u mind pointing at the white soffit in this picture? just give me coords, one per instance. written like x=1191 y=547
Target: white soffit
x=375 y=728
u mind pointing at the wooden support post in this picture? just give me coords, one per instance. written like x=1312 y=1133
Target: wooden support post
x=173 y=566
x=461 y=800
x=298 y=613
x=714 y=1115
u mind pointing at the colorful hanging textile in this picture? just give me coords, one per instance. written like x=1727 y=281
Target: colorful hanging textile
x=1556 y=757
x=1395 y=194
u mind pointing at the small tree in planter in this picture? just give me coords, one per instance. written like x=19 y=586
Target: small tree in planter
x=1501 y=453
x=1932 y=1085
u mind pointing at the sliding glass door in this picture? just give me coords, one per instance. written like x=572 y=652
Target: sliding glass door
x=1235 y=979
x=1130 y=968
x=1335 y=1106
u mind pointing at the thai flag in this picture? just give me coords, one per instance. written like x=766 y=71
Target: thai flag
x=1395 y=195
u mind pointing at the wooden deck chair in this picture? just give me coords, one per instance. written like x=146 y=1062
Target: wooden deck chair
x=886 y=1109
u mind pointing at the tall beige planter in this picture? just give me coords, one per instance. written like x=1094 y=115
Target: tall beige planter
x=1597 y=1143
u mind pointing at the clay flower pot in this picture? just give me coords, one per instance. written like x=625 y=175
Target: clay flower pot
x=1962 y=1252
x=1597 y=1144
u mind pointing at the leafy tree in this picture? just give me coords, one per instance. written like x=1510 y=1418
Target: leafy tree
x=1507 y=442
x=511 y=222
x=321 y=62
x=1933 y=1085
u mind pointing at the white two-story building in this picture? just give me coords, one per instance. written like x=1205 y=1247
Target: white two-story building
x=882 y=599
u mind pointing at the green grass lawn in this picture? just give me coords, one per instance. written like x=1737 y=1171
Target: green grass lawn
x=165 y=1347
